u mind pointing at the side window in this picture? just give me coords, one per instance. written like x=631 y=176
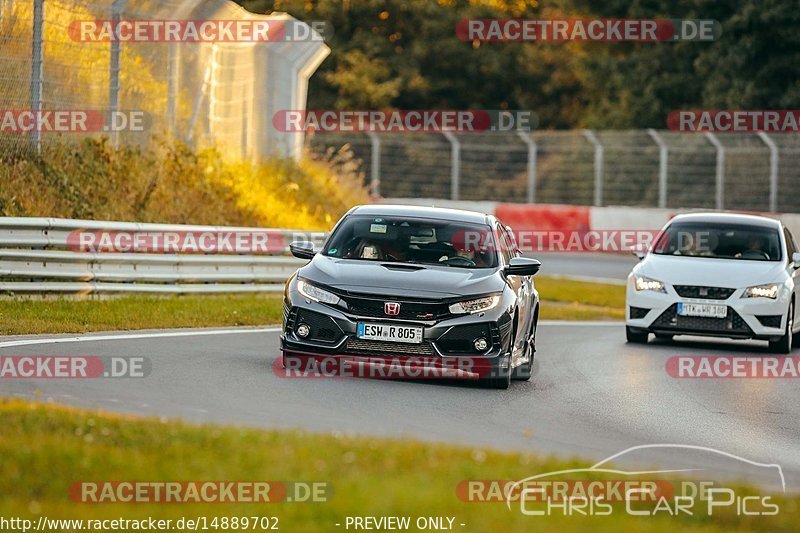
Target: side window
x=791 y=244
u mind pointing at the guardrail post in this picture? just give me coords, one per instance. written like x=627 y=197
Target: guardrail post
x=598 y=166
x=37 y=70
x=455 y=165
x=117 y=7
x=720 y=196
x=527 y=139
x=773 y=171
x=375 y=164
x=663 y=155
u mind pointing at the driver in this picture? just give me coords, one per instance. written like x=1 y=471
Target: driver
x=466 y=245
x=755 y=246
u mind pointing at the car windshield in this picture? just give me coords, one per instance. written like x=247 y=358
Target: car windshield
x=413 y=240
x=720 y=241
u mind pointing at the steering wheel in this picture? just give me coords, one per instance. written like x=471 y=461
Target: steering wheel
x=754 y=254
x=459 y=260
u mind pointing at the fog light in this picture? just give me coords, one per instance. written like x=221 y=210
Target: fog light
x=480 y=344
x=303 y=330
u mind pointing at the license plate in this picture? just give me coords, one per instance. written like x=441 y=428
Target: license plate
x=389 y=332
x=706 y=310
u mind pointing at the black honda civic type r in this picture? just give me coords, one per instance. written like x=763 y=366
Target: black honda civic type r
x=427 y=292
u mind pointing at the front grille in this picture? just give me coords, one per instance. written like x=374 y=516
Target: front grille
x=323 y=328
x=459 y=338
x=360 y=346
x=733 y=323
x=639 y=312
x=770 y=321
x=409 y=309
x=709 y=293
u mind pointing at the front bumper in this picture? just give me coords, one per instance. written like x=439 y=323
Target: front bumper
x=447 y=344
x=747 y=318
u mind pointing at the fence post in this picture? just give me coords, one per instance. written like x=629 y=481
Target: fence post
x=455 y=165
x=172 y=86
x=773 y=171
x=527 y=139
x=663 y=154
x=375 y=164
x=201 y=94
x=37 y=70
x=598 y=166
x=720 y=200
x=117 y=7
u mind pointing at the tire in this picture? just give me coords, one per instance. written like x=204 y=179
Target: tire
x=524 y=371
x=501 y=381
x=636 y=335
x=784 y=344
x=664 y=336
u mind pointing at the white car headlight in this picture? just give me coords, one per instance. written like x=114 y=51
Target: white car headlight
x=643 y=283
x=315 y=293
x=475 y=306
x=770 y=290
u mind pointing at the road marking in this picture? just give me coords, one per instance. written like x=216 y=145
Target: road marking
x=131 y=336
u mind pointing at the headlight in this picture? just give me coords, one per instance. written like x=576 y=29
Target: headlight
x=770 y=290
x=475 y=306
x=643 y=283
x=315 y=293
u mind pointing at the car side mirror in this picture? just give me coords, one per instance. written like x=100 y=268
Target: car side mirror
x=302 y=249
x=522 y=266
x=796 y=259
x=640 y=251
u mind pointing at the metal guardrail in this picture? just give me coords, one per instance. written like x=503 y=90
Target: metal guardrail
x=37 y=255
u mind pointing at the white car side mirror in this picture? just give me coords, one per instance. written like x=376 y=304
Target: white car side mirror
x=796 y=259
x=639 y=250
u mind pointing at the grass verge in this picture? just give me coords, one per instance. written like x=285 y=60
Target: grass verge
x=561 y=300
x=28 y=316
x=564 y=299
x=46 y=448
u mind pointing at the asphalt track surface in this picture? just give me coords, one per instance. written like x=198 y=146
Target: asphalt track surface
x=605 y=267
x=592 y=396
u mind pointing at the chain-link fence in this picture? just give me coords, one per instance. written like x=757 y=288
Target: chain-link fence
x=755 y=172
x=218 y=91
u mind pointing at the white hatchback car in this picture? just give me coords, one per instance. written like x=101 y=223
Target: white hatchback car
x=717 y=275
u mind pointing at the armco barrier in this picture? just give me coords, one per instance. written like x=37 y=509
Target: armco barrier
x=40 y=255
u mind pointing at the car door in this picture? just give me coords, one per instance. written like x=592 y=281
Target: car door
x=522 y=287
x=791 y=249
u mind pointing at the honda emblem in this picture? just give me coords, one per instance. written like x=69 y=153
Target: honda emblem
x=391 y=308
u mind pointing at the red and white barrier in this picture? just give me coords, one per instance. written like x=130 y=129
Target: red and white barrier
x=585 y=223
